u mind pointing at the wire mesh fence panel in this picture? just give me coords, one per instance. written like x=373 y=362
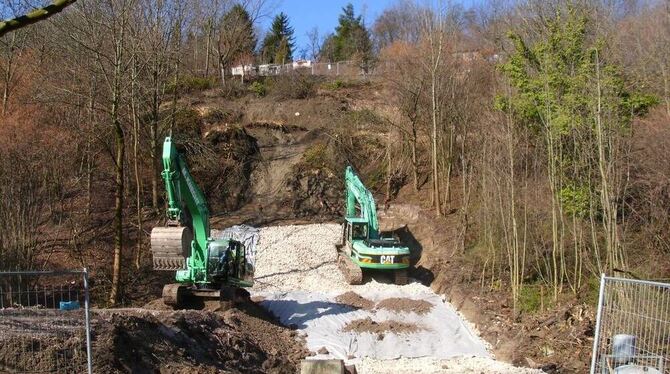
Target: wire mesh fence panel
x=44 y=322
x=633 y=327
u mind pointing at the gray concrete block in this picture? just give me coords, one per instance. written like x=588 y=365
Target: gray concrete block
x=321 y=367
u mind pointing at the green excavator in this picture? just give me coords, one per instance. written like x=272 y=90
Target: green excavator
x=363 y=246
x=205 y=268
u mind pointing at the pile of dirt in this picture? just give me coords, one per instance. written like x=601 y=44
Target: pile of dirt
x=355 y=300
x=401 y=304
x=235 y=341
x=380 y=328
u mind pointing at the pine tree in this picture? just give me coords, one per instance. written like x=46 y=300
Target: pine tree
x=279 y=42
x=237 y=37
x=351 y=40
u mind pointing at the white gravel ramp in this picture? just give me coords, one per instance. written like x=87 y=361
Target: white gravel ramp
x=298 y=258
x=297 y=275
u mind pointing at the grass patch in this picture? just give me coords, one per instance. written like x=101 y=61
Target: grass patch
x=533 y=299
x=316 y=156
x=363 y=117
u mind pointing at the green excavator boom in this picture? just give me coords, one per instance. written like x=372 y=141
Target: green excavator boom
x=183 y=192
x=357 y=193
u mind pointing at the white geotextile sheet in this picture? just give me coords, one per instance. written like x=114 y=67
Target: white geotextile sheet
x=321 y=319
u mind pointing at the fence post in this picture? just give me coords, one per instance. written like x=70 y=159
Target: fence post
x=596 y=336
x=89 y=359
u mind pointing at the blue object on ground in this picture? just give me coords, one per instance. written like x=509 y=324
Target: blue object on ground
x=69 y=305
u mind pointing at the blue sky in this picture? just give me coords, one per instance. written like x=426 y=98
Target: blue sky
x=305 y=14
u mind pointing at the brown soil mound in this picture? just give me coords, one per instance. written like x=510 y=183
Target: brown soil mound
x=380 y=328
x=137 y=340
x=398 y=304
x=355 y=300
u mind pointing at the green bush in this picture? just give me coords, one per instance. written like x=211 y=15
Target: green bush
x=575 y=200
x=531 y=299
x=292 y=86
x=333 y=85
x=258 y=88
x=316 y=156
x=340 y=83
x=187 y=124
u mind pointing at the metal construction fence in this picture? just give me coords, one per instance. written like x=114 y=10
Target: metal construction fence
x=335 y=69
x=45 y=322
x=632 y=327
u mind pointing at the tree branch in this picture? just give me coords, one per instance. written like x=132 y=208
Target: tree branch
x=34 y=16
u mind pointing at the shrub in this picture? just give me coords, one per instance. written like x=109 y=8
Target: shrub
x=187 y=124
x=292 y=86
x=333 y=85
x=258 y=88
x=340 y=83
x=316 y=156
x=532 y=299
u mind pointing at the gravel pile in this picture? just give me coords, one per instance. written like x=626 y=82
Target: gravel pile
x=298 y=258
x=304 y=257
x=427 y=365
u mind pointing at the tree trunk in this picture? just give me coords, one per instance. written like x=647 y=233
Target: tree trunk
x=118 y=208
x=436 y=179
x=415 y=171
x=119 y=142
x=153 y=133
x=207 y=47
x=138 y=180
x=8 y=74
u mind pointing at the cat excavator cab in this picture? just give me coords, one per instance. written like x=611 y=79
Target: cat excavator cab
x=363 y=246
x=206 y=268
